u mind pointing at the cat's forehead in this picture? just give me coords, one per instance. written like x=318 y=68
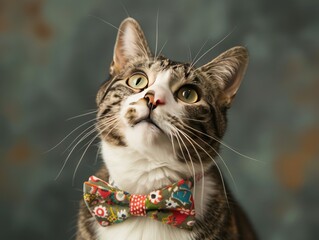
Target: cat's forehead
x=161 y=66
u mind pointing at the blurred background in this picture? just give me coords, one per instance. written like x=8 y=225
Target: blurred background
x=54 y=54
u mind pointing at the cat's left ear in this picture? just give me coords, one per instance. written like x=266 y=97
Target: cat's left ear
x=130 y=44
x=227 y=72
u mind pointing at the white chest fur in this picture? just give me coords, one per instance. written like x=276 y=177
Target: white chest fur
x=140 y=176
x=141 y=228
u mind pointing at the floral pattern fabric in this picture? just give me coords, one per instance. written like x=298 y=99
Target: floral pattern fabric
x=173 y=204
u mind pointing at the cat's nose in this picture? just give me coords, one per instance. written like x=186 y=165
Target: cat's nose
x=152 y=100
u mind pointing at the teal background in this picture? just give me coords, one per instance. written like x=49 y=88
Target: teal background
x=54 y=54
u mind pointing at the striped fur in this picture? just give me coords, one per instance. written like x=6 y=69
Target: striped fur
x=150 y=137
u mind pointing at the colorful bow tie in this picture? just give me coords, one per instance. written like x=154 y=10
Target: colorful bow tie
x=173 y=205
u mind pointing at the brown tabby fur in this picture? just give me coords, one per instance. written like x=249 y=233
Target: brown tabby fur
x=224 y=219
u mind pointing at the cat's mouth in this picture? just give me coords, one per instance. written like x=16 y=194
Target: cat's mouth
x=148 y=121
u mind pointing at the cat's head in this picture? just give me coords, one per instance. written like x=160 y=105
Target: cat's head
x=151 y=102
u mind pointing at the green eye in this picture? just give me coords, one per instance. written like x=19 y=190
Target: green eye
x=188 y=94
x=137 y=81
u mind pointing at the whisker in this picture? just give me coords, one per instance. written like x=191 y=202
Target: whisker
x=172 y=141
x=125 y=9
x=81 y=115
x=70 y=134
x=67 y=158
x=98 y=152
x=190 y=53
x=183 y=155
x=180 y=146
x=141 y=47
x=82 y=139
x=160 y=52
x=199 y=52
x=189 y=156
x=106 y=22
x=156 y=34
x=221 y=158
x=83 y=132
x=220 y=172
x=107 y=123
x=192 y=119
x=79 y=162
x=83 y=154
x=201 y=164
x=74 y=234
x=225 y=145
x=220 y=41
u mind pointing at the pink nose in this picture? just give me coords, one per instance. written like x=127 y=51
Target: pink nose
x=152 y=100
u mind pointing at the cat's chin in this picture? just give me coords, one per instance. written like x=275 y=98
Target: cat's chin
x=146 y=133
x=148 y=130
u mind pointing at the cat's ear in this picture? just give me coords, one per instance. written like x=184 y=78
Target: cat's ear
x=130 y=44
x=227 y=71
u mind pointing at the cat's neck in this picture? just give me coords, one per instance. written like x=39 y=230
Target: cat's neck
x=141 y=173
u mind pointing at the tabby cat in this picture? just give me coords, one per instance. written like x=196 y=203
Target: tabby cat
x=161 y=121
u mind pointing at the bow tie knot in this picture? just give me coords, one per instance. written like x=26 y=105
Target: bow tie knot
x=173 y=204
x=137 y=205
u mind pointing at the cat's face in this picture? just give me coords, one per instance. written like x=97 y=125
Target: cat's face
x=152 y=102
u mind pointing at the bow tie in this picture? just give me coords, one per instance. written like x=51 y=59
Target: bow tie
x=173 y=204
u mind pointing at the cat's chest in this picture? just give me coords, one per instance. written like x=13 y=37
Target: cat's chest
x=142 y=228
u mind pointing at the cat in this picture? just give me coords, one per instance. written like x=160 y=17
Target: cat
x=161 y=121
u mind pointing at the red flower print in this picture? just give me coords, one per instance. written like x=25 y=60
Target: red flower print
x=100 y=211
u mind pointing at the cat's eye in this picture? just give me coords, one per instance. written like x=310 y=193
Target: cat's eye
x=188 y=94
x=137 y=81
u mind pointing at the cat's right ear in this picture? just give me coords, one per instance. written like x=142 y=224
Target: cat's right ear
x=226 y=73
x=130 y=44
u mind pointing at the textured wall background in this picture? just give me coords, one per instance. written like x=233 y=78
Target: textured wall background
x=54 y=55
